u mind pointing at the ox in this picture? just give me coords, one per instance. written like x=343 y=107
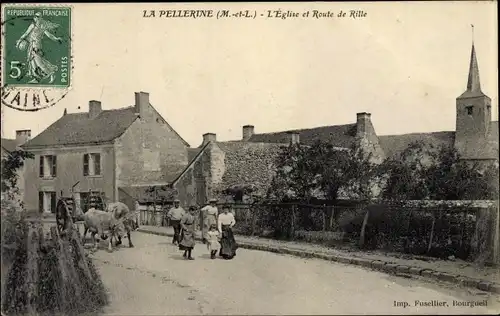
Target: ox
x=127 y=220
x=99 y=223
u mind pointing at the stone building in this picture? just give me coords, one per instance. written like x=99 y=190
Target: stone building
x=112 y=152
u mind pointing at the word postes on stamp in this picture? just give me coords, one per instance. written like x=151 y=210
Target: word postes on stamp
x=36 y=56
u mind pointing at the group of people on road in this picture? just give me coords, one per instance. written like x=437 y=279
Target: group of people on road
x=217 y=230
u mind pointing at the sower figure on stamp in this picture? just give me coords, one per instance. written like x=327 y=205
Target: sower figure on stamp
x=39 y=68
x=210 y=214
x=175 y=215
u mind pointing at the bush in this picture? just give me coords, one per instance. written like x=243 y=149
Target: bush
x=50 y=277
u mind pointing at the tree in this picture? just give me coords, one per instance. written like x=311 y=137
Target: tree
x=348 y=171
x=11 y=164
x=296 y=174
x=405 y=174
x=452 y=178
x=323 y=170
x=425 y=172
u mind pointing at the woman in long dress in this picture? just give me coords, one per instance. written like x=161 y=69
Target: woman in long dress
x=226 y=223
x=39 y=67
x=187 y=241
x=210 y=214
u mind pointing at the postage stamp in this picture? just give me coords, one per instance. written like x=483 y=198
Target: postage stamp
x=36 y=56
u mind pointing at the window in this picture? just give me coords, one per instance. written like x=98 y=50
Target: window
x=92 y=164
x=47 y=202
x=469 y=109
x=48 y=166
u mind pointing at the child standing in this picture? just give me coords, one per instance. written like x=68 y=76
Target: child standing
x=213 y=243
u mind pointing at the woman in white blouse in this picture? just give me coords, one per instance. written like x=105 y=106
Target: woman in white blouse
x=226 y=223
x=209 y=214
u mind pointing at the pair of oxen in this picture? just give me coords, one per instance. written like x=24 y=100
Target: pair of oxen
x=109 y=224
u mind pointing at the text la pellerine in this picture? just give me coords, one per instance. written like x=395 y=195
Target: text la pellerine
x=275 y=14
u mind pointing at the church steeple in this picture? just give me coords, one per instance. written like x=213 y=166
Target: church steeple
x=473 y=82
x=473 y=113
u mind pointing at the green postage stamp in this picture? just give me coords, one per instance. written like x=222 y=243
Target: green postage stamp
x=36 y=54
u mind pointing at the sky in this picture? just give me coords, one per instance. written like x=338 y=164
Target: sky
x=405 y=63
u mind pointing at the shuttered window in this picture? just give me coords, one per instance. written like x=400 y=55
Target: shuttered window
x=53 y=160
x=97 y=164
x=53 y=202
x=86 y=164
x=48 y=166
x=41 y=167
x=40 y=201
x=92 y=164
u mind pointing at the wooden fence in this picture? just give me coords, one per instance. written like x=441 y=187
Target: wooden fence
x=463 y=229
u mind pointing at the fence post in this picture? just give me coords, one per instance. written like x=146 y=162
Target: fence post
x=332 y=217
x=292 y=222
x=363 y=228
x=325 y=209
x=254 y=220
x=432 y=231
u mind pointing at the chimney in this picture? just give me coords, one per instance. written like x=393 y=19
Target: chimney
x=209 y=137
x=95 y=109
x=363 y=123
x=65 y=111
x=141 y=103
x=22 y=136
x=247 y=132
x=294 y=137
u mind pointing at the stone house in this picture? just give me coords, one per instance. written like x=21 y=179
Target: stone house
x=220 y=169
x=112 y=152
x=215 y=167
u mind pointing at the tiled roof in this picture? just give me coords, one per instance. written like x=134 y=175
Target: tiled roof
x=9 y=144
x=78 y=128
x=338 y=135
x=248 y=164
x=393 y=145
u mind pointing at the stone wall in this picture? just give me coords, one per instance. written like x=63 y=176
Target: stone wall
x=149 y=152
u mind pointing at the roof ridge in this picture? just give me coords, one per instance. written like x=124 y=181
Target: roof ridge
x=119 y=109
x=417 y=133
x=106 y=110
x=305 y=129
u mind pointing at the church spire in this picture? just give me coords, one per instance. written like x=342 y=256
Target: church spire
x=473 y=82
